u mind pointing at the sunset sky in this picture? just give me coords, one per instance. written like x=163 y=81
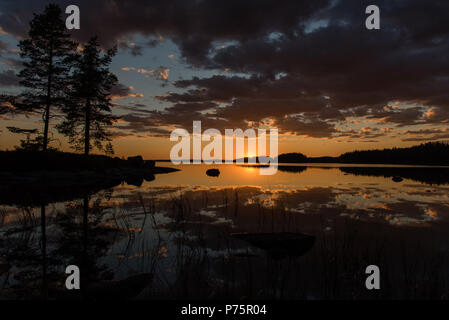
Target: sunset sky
x=309 y=68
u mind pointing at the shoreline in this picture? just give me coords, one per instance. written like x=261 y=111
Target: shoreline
x=44 y=186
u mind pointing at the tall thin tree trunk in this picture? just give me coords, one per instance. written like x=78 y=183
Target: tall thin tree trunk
x=46 y=124
x=84 y=261
x=87 y=129
x=47 y=107
x=44 y=253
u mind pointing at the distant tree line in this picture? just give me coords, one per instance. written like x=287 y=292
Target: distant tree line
x=295 y=157
x=63 y=78
x=435 y=153
x=430 y=153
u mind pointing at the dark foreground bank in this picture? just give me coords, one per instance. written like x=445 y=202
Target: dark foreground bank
x=37 y=178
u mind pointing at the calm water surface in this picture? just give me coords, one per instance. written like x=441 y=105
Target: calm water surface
x=179 y=227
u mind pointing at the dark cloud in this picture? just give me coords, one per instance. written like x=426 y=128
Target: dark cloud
x=139 y=125
x=335 y=71
x=14 y=63
x=6 y=105
x=131 y=47
x=8 y=78
x=255 y=99
x=5 y=51
x=400 y=117
x=363 y=133
x=431 y=134
x=122 y=91
x=137 y=50
x=428 y=138
x=135 y=109
x=305 y=66
x=425 y=131
x=186 y=108
x=315 y=128
x=191 y=24
x=3 y=47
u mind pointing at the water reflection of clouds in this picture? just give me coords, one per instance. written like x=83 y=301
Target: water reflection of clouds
x=305 y=193
x=410 y=204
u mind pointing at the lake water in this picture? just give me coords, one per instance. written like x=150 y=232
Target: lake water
x=180 y=227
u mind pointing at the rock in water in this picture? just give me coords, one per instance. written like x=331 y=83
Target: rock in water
x=213 y=172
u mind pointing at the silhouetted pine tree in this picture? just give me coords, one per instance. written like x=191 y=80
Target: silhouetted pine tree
x=88 y=115
x=48 y=60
